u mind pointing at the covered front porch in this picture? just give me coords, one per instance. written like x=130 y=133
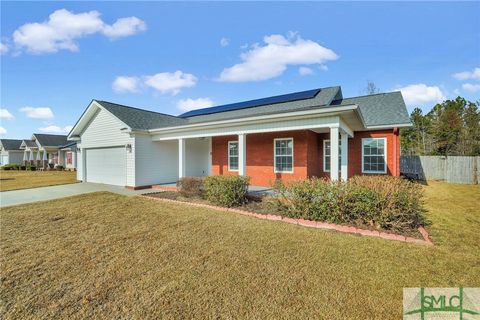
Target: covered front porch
x=265 y=150
x=43 y=158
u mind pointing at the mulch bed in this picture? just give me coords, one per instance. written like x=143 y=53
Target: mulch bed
x=256 y=205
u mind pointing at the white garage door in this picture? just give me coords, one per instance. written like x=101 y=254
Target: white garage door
x=106 y=165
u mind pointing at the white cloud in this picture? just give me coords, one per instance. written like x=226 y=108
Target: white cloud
x=63 y=27
x=124 y=27
x=37 y=113
x=466 y=75
x=304 y=71
x=3 y=131
x=323 y=67
x=421 y=94
x=471 y=87
x=126 y=84
x=3 y=48
x=171 y=82
x=224 y=42
x=5 y=114
x=192 y=104
x=55 y=129
x=270 y=60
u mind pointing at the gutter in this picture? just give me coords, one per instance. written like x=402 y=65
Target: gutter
x=389 y=126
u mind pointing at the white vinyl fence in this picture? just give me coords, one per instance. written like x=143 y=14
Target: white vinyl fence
x=451 y=169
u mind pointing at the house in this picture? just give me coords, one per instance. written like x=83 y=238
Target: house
x=314 y=133
x=68 y=155
x=52 y=150
x=10 y=152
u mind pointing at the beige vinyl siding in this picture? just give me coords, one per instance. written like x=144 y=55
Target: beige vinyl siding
x=104 y=130
x=197 y=157
x=156 y=162
x=11 y=157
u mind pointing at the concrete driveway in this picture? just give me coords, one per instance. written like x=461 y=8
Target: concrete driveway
x=14 y=197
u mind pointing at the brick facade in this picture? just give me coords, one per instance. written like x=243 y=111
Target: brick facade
x=307 y=151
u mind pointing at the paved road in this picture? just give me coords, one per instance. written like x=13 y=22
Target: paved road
x=14 y=197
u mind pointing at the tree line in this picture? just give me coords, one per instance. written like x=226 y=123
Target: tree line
x=451 y=128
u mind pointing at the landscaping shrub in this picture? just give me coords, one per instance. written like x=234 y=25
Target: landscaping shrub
x=11 y=167
x=190 y=186
x=383 y=202
x=226 y=190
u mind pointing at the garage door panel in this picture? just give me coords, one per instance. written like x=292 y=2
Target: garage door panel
x=106 y=165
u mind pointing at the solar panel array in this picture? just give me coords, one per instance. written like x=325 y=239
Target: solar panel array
x=254 y=103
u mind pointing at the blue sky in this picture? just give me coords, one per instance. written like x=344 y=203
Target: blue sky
x=169 y=57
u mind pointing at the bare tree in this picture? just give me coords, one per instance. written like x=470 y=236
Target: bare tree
x=371 y=88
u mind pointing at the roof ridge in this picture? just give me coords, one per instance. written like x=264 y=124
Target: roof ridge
x=371 y=95
x=140 y=109
x=50 y=134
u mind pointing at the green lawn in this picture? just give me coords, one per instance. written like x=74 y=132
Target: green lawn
x=13 y=179
x=108 y=256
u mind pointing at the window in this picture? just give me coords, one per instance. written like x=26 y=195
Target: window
x=233 y=155
x=283 y=155
x=326 y=155
x=69 y=158
x=374 y=155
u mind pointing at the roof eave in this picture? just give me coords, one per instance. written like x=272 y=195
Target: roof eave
x=328 y=110
x=73 y=134
x=390 y=126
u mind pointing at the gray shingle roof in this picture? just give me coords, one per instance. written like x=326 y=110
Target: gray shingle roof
x=50 y=140
x=323 y=98
x=379 y=109
x=11 y=144
x=30 y=143
x=375 y=110
x=141 y=119
x=69 y=144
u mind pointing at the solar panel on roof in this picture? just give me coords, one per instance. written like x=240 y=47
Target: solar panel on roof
x=254 y=103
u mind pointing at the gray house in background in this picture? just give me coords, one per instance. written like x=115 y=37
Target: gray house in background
x=51 y=150
x=10 y=152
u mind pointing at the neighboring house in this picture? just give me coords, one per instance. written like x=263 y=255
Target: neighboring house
x=10 y=152
x=315 y=133
x=30 y=151
x=68 y=155
x=44 y=150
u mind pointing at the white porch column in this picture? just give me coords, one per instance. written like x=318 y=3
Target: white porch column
x=181 y=158
x=242 y=154
x=334 y=153
x=344 y=156
x=74 y=158
x=60 y=159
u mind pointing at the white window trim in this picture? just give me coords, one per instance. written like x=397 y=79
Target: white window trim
x=325 y=169
x=275 y=155
x=228 y=155
x=384 y=156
